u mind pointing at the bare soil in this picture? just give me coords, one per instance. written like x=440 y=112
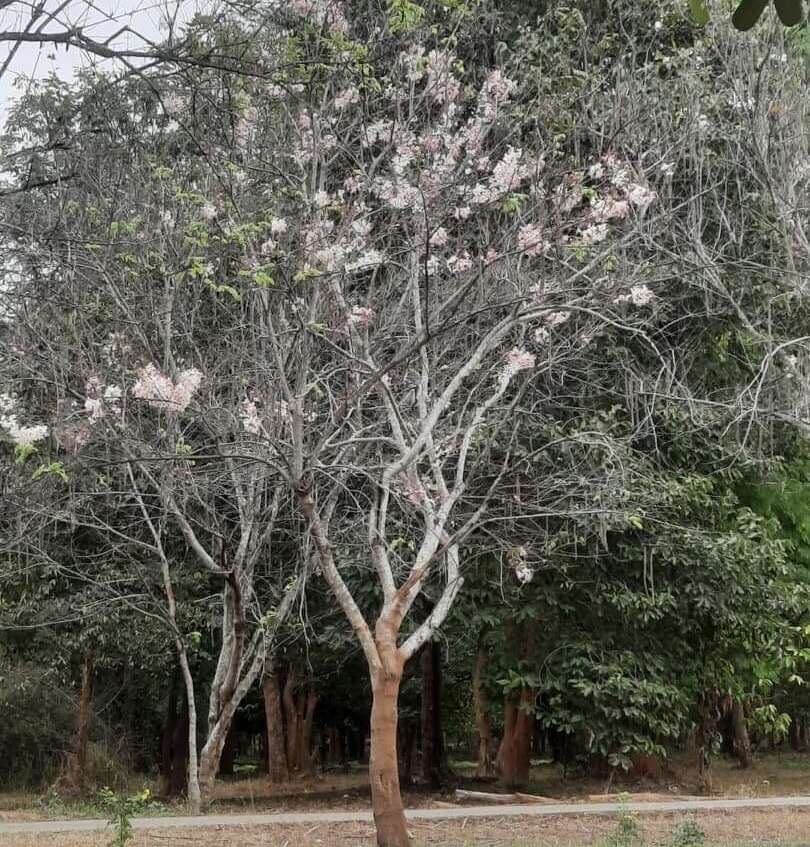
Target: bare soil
x=723 y=829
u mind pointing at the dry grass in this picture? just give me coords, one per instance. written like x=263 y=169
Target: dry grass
x=758 y=827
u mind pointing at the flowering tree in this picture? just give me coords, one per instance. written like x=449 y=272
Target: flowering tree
x=317 y=298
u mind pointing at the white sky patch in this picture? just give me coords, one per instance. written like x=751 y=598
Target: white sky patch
x=148 y=21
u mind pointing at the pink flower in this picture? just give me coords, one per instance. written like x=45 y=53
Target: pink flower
x=531 y=241
x=459 y=263
x=249 y=415
x=164 y=394
x=519 y=360
x=361 y=316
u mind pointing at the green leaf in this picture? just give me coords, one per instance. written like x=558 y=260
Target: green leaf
x=54 y=468
x=699 y=12
x=748 y=13
x=22 y=452
x=226 y=289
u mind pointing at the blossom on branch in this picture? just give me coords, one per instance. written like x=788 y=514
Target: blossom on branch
x=163 y=393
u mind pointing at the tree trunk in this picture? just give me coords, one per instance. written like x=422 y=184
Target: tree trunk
x=742 y=742
x=432 y=741
x=483 y=721
x=305 y=751
x=193 y=791
x=291 y=715
x=389 y=814
x=211 y=753
x=514 y=756
x=178 y=764
x=277 y=770
x=505 y=758
x=228 y=753
x=795 y=733
x=75 y=775
x=166 y=740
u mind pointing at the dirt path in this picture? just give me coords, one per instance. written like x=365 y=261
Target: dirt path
x=462 y=812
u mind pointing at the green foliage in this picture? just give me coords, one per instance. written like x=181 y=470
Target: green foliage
x=51 y=469
x=627 y=832
x=687 y=834
x=122 y=808
x=404 y=15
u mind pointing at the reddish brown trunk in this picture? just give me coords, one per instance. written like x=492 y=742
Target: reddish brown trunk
x=483 y=721
x=277 y=770
x=389 y=814
x=516 y=746
x=85 y=713
x=742 y=743
x=75 y=774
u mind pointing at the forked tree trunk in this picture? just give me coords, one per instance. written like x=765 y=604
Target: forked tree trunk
x=483 y=720
x=742 y=742
x=277 y=770
x=389 y=814
x=226 y=761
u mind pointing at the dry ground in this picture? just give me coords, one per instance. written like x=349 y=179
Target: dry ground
x=761 y=827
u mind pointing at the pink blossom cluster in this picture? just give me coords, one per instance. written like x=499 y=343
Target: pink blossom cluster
x=249 y=415
x=19 y=433
x=361 y=316
x=497 y=89
x=459 y=263
x=640 y=295
x=100 y=399
x=507 y=176
x=321 y=12
x=441 y=82
x=531 y=241
x=163 y=393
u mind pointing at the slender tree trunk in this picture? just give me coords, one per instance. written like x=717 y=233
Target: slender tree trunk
x=483 y=720
x=178 y=775
x=305 y=750
x=77 y=768
x=166 y=740
x=432 y=742
x=742 y=742
x=291 y=714
x=795 y=733
x=389 y=814
x=85 y=716
x=277 y=770
x=193 y=790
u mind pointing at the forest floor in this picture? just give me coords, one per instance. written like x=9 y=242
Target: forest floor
x=778 y=774
x=741 y=828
